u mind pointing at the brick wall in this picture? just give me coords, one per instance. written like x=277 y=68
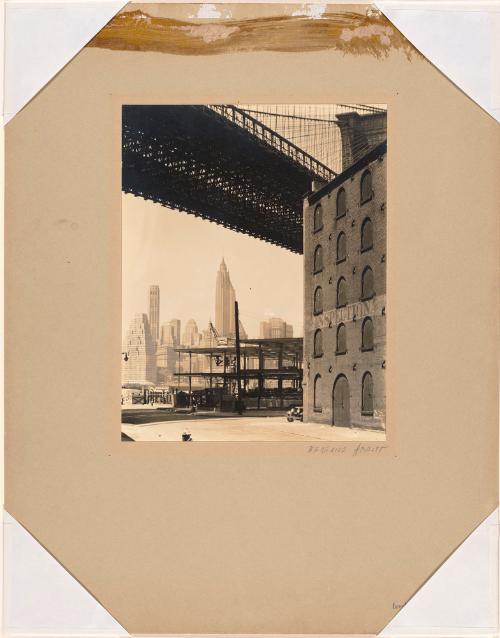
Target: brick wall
x=355 y=362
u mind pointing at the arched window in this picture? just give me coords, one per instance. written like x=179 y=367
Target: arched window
x=341 y=293
x=341 y=209
x=318 y=301
x=341 y=339
x=367 y=334
x=317 y=392
x=341 y=248
x=366 y=186
x=318 y=259
x=366 y=235
x=318 y=218
x=367 y=291
x=367 y=395
x=318 y=343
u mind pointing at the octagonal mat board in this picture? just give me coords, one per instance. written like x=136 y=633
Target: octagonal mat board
x=255 y=538
x=41 y=597
x=460 y=40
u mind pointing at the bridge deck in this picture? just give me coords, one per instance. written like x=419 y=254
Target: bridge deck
x=194 y=159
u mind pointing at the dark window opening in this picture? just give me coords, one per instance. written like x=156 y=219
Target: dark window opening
x=317 y=392
x=341 y=339
x=341 y=293
x=367 y=395
x=366 y=187
x=318 y=343
x=367 y=334
x=318 y=260
x=318 y=301
x=318 y=218
x=367 y=284
x=341 y=248
x=366 y=235
x=341 y=209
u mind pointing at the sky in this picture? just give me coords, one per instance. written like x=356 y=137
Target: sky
x=182 y=253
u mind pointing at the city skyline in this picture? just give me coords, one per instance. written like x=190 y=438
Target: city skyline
x=175 y=332
x=182 y=254
x=149 y=344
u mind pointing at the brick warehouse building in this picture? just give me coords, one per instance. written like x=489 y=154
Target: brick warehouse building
x=345 y=296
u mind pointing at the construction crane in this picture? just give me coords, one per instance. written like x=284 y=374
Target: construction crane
x=220 y=341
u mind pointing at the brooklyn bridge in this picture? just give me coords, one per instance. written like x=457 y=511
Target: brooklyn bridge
x=245 y=167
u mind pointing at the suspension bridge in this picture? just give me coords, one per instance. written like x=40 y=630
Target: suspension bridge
x=246 y=167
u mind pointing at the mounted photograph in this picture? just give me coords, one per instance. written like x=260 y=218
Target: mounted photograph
x=254 y=272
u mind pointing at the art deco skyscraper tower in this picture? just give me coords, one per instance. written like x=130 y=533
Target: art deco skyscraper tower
x=224 y=302
x=154 y=312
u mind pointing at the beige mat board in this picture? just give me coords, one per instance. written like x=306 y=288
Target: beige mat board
x=254 y=538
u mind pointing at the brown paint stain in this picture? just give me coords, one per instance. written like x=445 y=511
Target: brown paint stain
x=348 y=32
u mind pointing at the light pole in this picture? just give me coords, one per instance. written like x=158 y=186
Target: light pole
x=125 y=358
x=239 y=405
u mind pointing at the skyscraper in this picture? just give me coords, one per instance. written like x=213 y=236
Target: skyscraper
x=154 y=312
x=224 y=302
x=275 y=328
x=175 y=326
x=191 y=336
x=171 y=333
x=140 y=366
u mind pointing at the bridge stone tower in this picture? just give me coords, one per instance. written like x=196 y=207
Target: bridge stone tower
x=359 y=134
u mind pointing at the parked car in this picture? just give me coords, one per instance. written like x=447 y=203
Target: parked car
x=295 y=414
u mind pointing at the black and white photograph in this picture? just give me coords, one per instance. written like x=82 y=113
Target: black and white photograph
x=254 y=272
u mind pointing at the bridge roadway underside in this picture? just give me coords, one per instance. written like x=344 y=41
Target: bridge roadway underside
x=195 y=160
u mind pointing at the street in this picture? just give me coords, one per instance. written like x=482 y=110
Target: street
x=139 y=415
x=169 y=427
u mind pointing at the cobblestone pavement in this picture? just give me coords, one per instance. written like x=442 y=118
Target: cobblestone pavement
x=272 y=428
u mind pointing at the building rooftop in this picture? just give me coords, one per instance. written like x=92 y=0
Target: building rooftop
x=375 y=153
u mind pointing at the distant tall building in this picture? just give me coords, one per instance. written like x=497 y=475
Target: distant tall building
x=166 y=336
x=191 y=336
x=166 y=358
x=140 y=366
x=264 y=330
x=171 y=333
x=176 y=330
x=275 y=328
x=224 y=302
x=154 y=312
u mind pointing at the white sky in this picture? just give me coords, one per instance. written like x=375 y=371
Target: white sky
x=182 y=253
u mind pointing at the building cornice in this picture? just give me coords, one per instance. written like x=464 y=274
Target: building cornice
x=374 y=154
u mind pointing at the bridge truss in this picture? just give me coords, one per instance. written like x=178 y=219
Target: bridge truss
x=224 y=163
